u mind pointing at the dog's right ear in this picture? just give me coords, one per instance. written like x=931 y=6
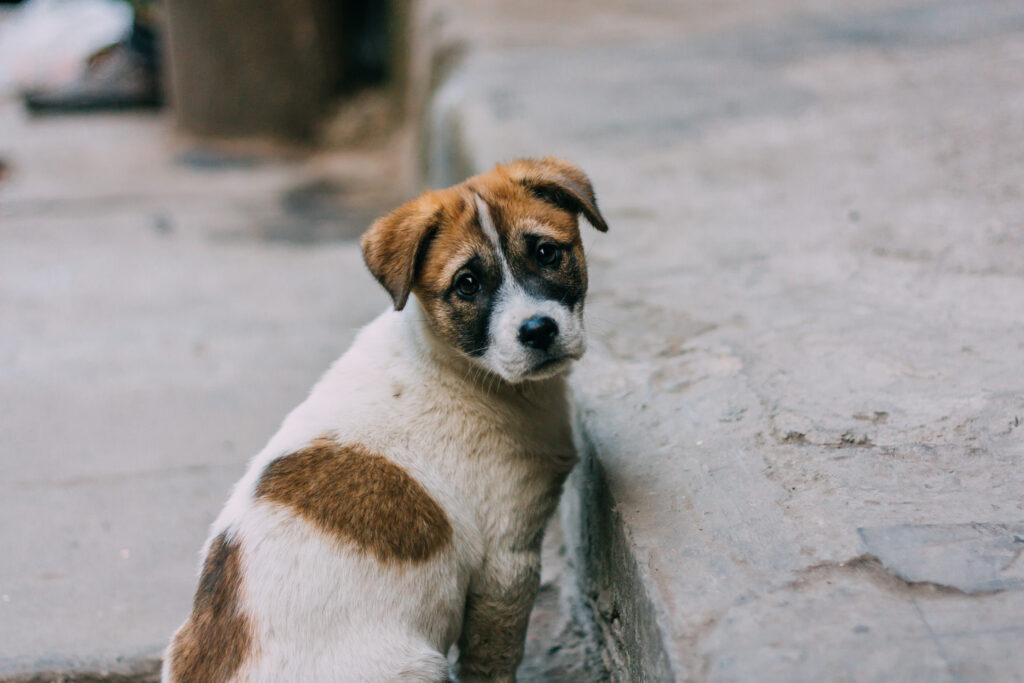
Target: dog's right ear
x=395 y=245
x=561 y=183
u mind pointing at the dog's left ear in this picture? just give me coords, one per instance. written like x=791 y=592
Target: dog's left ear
x=396 y=244
x=561 y=183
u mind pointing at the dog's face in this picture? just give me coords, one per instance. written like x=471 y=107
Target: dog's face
x=496 y=263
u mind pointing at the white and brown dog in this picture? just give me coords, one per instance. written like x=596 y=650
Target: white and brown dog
x=400 y=508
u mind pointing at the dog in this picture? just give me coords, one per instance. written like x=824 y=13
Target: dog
x=400 y=509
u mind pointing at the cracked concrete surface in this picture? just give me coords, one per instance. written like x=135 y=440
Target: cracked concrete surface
x=805 y=387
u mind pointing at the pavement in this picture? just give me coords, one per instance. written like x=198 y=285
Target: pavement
x=804 y=398
x=163 y=305
x=800 y=412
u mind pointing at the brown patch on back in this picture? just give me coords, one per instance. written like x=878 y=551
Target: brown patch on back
x=216 y=639
x=359 y=497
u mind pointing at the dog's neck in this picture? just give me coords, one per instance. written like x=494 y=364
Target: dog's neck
x=438 y=353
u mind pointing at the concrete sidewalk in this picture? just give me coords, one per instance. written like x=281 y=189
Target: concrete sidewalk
x=805 y=393
x=162 y=307
x=801 y=408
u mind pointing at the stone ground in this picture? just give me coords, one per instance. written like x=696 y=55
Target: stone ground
x=806 y=387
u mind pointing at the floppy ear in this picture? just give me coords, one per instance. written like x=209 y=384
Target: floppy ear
x=558 y=182
x=395 y=245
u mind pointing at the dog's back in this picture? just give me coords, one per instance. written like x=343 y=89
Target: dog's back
x=344 y=554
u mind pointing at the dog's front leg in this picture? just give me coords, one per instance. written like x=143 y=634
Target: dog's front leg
x=497 y=611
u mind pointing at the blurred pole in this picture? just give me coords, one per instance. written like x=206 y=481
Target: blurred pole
x=271 y=67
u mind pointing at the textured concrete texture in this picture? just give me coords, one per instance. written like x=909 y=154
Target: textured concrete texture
x=162 y=307
x=804 y=398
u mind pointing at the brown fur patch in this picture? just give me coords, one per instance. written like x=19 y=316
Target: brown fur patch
x=360 y=497
x=547 y=191
x=516 y=210
x=424 y=245
x=396 y=244
x=560 y=183
x=518 y=213
x=216 y=639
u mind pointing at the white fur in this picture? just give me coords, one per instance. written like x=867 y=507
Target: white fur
x=492 y=454
x=506 y=356
x=487 y=223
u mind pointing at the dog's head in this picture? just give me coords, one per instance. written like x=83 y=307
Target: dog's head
x=496 y=263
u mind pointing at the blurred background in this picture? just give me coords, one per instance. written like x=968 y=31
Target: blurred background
x=807 y=319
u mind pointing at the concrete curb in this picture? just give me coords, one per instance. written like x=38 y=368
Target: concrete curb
x=142 y=669
x=610 y=580
x=798 y=415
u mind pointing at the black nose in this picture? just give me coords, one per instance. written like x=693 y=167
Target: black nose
x=538 y=332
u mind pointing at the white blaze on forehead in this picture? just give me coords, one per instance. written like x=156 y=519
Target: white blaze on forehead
x=488 y=224
x=512 y=306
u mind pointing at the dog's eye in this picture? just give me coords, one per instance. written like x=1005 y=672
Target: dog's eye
x=467 y=285
x=548 y=254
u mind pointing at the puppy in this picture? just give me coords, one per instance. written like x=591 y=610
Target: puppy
x=400 y=508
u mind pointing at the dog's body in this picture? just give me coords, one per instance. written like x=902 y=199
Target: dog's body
x=400 y=508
